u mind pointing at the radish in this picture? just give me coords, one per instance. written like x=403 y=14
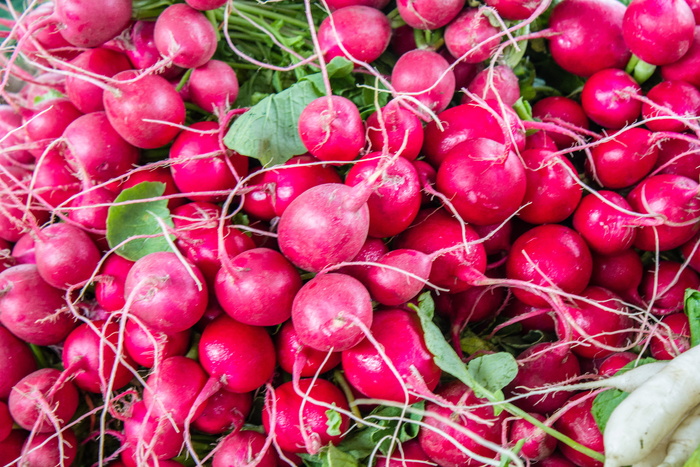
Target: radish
x=101 y=61
x=330 y=128
x=464 y=36
x=51 y=118
x=89 y=354
x=529 y=317
x=166 y=293
x=683 y=441
x=371 y=251
x=325 y=225
x=599 y=209
x=54 y=179
x=11 y=447
x=337 y=4
x=139 y=45
x=338 y=35
x=407 y=454
x=484 y=181
x=558 y=109
x=299 y=421
x=129 y=103
x=674 y=98
x=50 y=449
x=90 y=207
x=43 y=400
x=395 y=201
x=205 y=4
x=435 y=230
x=257 y=287
x=148 y=438
x=189 y=47
x=678 y=157
x=399 y=336
x=240 y=356
x=658 y=31
x=675 y=198
x=663 y=286
x=538 y=444
x=404 y=131
x=389 y=282
x=481 y=422
x=426 y=14
x=144 y=346
x=624 y=160
x=425 y=76
x=495 y=83
x=225 y=411
x=293 y=355
x=31 y=309
x=65 y=255
x=6 y=422
x=213 y=86
x=155 y=174
x=549 y=255
x=685 y=68
x=19 y=361
x=201 y=164
x=577 y=422
x=608 y=98
x=88 y=24
x=671 y=337
x=589 y=36
x=109 y=291
x=327 y=309
x=245 y=448
x=513 y=9
x=551 y=192
x=619 y=272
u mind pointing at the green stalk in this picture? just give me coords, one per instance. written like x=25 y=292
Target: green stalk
x=271 y=14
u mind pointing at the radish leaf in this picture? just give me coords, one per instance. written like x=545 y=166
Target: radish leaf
x=692 y=309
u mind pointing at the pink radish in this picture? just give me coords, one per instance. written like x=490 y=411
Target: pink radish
x=680 y=98
x=146 y=346
x=245 y=448
x=608 y=98
x=424 y=75
x=389 y=281
x=577 y=422
x=671 y=337
x=664 y=284
x=538 y=445
x=620 y=272
x=556 y=109
x=225 y=411
x=149 y=438
x=19 y=361
x=213 y=86
x=404 y=131
x=331 y=129
x=292 y=353
x=339 y=36
x=189 y=47
x=109 y=291
x=593 y=212
x=101 y=61
x=465 y=34
x=88 y=24
x=625 y=159
x=426 y=14
x=65 y=255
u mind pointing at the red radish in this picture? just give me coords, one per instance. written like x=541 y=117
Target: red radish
x=205 y=4
x=497 y=83
x=549 y=255
x=425 y=76
x=674 y=98
x=339 y=36
x=12 y=136
x=65 y=255
x=678 y=157
x=23 y=250
x=625 y=159
x=213 y=86
x=139 y=45
x=427 y=176
x=404 y=131
x=399 y=335
x=151 y=97
x=325 y=225
x=157 y=174
x=90 y=207
x=658 y=31
x=96 y=150
x=686 y=68
x=389 y=283
x=173 y=388
x=109 y=291
x=476 y=304
x=6 y=422
x=615 y=362
x=19 y=361
x=51 y=118
x=291 y=351
x=371 y=251
x=245 y=448
x=403 y=40
x=407 y=454
x=671 y=337
x=447 y=452
x=31 y=309
x=146 y=346
x=14 y=218
x=484 y=181
x=608 y=98
x=577 y=422
x=337 y=4
x=529 y=317
x=689 y=250
x=543 y=364
x=189 y=47
x=258 y=202
x=90 y=355
x=301 y=425
x=101 y=61
x=395 y=201
x=664 y=288
x=551 y=190
x=465 y=34
x=437 y=230
x=675 y=198
x=148 y=438
x=11 y=447
x=225 y=411
x=557 y=109
x=588 y=36
x=464 y=72
x=89 y=24
x=330 y=127
x=425 y=14
x=620 y=272
x=327 y=309
x=538 y=445
x=200 y=164
x=39 y=393
x=591 y=327
x=50 y=449
x=54 y=180
x=513 y=9
x=257 y=287
x=240 y=356
x=618 y=233
x=168 y=294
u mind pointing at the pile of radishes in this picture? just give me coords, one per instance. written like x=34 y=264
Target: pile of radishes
x=225 y=226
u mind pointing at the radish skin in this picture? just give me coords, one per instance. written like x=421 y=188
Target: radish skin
x=683 y=441
x=642 y=420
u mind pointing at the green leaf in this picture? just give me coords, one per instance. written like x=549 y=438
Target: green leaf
x=49 y=95
x=494 y=371
x=139 y=218
x=694 y=460
x=334 y=457
x=692 y=309
x=333 y=422
x=604 y=404
x=339 y=67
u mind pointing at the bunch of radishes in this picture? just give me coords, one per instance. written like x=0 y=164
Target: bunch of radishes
x=225 y=226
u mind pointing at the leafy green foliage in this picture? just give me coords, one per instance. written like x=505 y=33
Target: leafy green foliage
x=692 y=309
x=126 y=221
x=334 y=421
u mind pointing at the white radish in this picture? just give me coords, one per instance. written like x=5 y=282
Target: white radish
x=642 y=420
x=656 y=457
x=683 y=441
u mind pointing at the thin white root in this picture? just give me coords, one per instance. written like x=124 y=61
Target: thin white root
x=683 y=441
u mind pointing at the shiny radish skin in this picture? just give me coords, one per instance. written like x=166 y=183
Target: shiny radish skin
x=90 y=24
x=390 y=284
x=185 y=35
x=366 y=44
